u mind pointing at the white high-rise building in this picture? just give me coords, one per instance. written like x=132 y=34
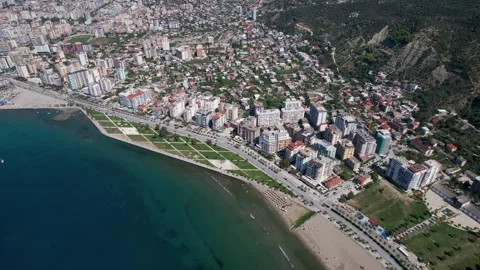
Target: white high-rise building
x=134 y=98
x=184 y=52
x=94 y=90
x=347 y=124
x=318 y=116
x=139 y=59
x=6 y=62
x=411 y=176
x=105 y=85
x=165 y=44
x=83 y=58
x=231 y=111
x=23 y=71
x=292 y=111
x=268 y=118
x=176 y=108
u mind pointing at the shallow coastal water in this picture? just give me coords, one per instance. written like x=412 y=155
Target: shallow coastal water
x=71 y=198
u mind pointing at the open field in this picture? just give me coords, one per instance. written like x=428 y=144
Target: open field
x=80 y=38
x=104 y=123
x=202 y=147
x=212 y=155
x=181 y=146
x=445 y=247
x=112 y=130
x=243 y=164
x=392 y=209
x=137 y=138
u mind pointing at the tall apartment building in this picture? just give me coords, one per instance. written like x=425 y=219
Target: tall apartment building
x=412 y=176
x=273 y=141
x=303 y=157
x=267 y=118
x=248 y=130
x=231 y=111
x=203 y=117
x=347 y=124
x=134 y=98
x=333 y=134
x=325 y=148
x=22 y=71
x=184 y=52
x=49 y=77
x=79 y=78
x=292 y=111
x=94 y=90
x=176 y=108
x=384 y=138
x=365 y=144
x=218 y=120
x=345 y=149
x=320 y=169
x=318 y=116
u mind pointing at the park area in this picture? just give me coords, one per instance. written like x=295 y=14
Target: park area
x=207 y=153
x=391 y=208
x=445 y=247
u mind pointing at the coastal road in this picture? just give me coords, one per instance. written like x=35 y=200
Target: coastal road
x=282 y=176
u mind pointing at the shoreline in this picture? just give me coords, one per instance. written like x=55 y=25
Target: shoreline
x=317 y=241
x=337 y=257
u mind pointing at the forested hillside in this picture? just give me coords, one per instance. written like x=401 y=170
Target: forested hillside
x=434 y=43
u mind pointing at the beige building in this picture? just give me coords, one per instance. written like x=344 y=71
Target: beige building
x=345 y=149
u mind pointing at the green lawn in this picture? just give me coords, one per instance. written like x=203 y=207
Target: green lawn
x=122 y=124
x=112 y=130
x=137 y=138
x=218 y=148
x=98 y=116
x=175 y=152
x=231 y=156
x=115 y=119
x=106 y=123
x=258 y=175
x=163 y=146
x=243 y=164
x=191 y=154
x=212 y=155
x=204 y=161
x=304 y=219
x=181 y=146
x=445 y=247
x=392 y=209
x=201 y=146
x=80 y=38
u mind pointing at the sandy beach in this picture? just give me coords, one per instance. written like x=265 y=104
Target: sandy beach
x=28 y=99
x=335 y=249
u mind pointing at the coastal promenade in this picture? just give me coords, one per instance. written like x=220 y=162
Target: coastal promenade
x=288 y=180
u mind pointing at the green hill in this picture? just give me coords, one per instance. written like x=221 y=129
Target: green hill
x=433 y=43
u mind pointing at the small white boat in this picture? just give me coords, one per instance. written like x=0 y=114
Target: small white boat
x=2 y=161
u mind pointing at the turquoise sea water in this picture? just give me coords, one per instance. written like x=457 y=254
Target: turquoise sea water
x=71 y=198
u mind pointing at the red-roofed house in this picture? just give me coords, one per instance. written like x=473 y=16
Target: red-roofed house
x=451 y=147
x=332 y=182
